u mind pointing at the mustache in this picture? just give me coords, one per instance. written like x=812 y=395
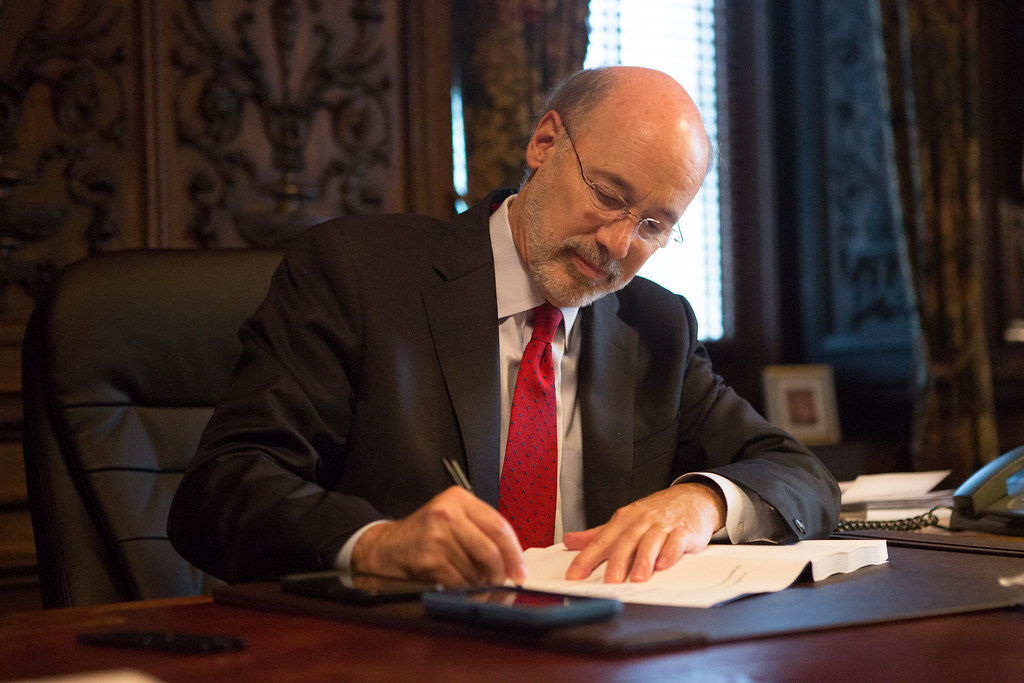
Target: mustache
x=592 y=253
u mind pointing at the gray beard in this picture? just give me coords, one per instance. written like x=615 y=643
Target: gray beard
x=565 y=285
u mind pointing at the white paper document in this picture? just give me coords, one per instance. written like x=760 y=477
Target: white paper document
x=719 y=574
x=890 y=486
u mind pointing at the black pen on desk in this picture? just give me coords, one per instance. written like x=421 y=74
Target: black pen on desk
x=166 y=641
x=457 y=475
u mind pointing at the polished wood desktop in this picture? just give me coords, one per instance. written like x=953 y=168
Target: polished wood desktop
x=974 y=646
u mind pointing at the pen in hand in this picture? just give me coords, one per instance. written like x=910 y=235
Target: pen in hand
x=518 y=574
x=457 y=475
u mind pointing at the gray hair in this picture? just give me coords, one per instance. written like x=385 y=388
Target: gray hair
x=578 y=95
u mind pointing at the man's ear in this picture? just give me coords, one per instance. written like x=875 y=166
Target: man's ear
x=542 y=142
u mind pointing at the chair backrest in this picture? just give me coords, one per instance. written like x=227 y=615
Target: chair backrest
x=123 y=361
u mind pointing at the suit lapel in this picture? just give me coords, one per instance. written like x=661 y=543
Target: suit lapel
x=606 y=393
x=463 y=316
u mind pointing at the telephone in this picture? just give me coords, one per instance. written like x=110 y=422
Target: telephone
x=992 y=499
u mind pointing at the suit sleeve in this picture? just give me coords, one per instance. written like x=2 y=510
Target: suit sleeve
x=722 y=431
x=253 y=502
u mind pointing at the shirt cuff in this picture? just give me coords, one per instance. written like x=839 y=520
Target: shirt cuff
x=748 y=518
x=344 y=558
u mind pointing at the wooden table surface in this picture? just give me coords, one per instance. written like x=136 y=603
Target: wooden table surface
x=984 y=646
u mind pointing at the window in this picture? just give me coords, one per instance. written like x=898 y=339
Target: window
x=677 y=37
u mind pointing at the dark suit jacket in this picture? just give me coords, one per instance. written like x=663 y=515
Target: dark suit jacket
x=375 y=355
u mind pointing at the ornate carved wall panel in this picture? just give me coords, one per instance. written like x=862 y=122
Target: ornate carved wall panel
x=69 y=139
x=867 y=283
x=856 y=307
x=855 y=313
x=275 y=115
x=194 y=123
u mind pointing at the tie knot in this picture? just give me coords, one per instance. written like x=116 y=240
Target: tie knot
x=545 y=321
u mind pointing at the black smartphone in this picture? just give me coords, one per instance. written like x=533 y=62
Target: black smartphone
x=518 y=607
x=353 y=587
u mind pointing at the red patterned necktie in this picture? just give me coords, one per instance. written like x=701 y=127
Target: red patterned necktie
x=526 y=495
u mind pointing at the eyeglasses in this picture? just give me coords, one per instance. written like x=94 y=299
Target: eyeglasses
x=613 y=205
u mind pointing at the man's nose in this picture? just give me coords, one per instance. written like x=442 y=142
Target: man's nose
x=616 y=235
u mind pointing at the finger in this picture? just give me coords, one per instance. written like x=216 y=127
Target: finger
x=584 y=564
x=622 y=554
x=615 y=542
x=493 y=545
x=463 y=560
x=578 y=540
x=466 y=555
x=442 y=557
x=439 y=542
x=623 y=544
x=591 y=555
x=650 y=549
x=679 y=543
x=488 y=541
x=416 y=547
x=675 y=546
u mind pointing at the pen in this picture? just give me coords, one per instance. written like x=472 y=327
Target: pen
x=458 y=476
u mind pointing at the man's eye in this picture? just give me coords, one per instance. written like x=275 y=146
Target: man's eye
x=653 y=230
x=605 y=200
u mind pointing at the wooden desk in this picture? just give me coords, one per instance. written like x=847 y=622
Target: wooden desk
x=979 y=646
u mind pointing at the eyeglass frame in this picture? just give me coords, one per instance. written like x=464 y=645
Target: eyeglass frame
x=611 y=194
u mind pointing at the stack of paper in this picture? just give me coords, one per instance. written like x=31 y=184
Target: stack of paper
x=897 y=495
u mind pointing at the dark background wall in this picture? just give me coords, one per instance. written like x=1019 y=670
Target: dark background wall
x=174 y=124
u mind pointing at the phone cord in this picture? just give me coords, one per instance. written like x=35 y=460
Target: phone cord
x=909 y=524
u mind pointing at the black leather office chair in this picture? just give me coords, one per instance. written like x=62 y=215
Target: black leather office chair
x=123 y=361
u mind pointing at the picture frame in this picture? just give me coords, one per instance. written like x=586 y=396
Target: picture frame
x=801 y=399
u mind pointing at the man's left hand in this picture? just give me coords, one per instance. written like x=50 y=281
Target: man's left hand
x=650 y=534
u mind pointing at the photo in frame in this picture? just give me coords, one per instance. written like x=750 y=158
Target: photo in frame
x=801 y=399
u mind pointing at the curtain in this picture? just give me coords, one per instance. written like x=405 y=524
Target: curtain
x=931 y=63
x=510 y=54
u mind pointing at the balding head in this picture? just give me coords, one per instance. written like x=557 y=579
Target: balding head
x=579 y=96
x=616 y=158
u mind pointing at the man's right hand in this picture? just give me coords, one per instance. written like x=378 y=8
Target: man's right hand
x=455 y=539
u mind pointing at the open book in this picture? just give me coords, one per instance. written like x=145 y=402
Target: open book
x=718 y=574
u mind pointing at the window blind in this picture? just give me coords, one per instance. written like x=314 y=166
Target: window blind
x=677 y=37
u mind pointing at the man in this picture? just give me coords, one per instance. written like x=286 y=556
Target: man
x=390 y=344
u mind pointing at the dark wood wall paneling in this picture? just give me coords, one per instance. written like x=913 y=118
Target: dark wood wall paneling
x=195 y=124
